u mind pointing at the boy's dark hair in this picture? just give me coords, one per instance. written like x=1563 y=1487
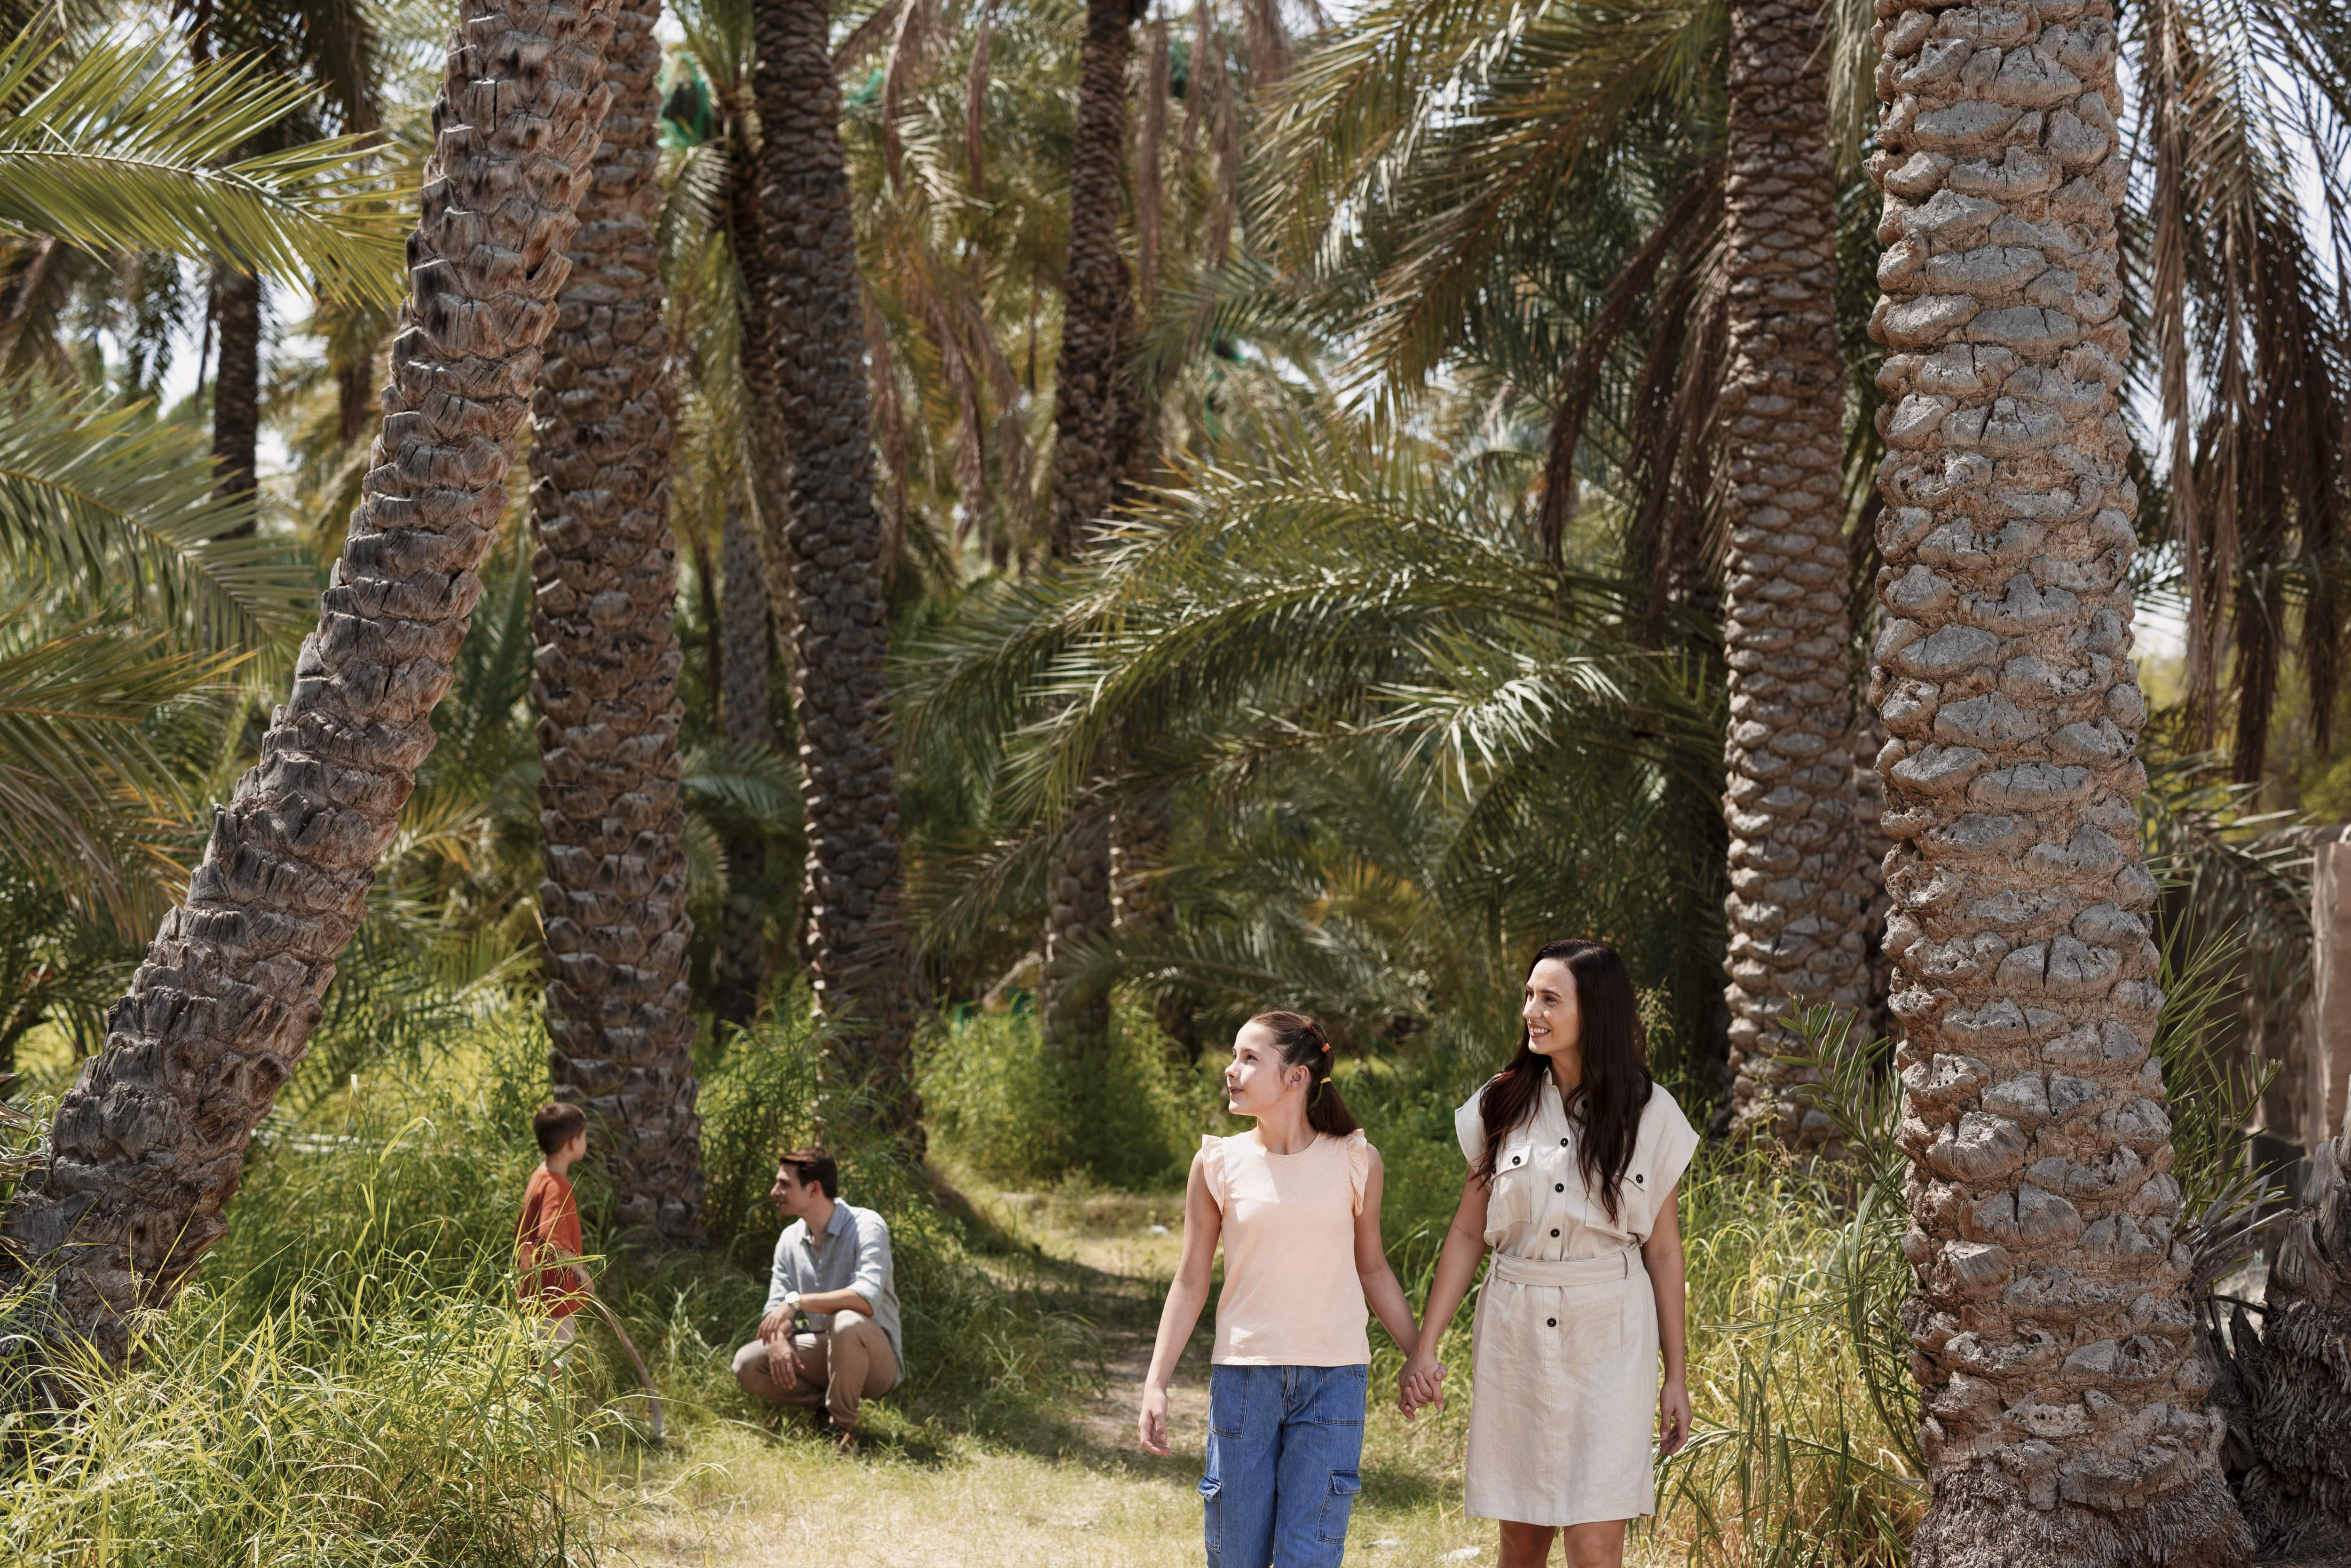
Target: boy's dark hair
x=813 y=1165
x=555 y=1124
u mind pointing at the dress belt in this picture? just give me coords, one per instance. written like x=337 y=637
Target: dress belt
x=1568 y=1271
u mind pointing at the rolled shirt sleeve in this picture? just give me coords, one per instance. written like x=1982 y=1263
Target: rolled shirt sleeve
x=780 y=1279
x=875 y=1278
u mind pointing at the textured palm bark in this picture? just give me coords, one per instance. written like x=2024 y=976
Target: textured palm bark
x=2065 y=1418
x=743 y=719
x=236 y=385
x=605 y=662
x=1098 y=291
x=833 y=546
x=1096 y=421
x=755 y=349
x=2286 y=1390
x=1796 y=937
x=148 y=1145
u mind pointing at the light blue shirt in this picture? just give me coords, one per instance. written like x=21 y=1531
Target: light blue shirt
x=855 y=1257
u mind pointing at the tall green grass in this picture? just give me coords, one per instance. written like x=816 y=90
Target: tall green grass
x=347 y=1382
x=359 y=1421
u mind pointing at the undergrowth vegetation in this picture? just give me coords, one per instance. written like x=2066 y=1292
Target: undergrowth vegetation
x=347 y=1383
x=350 y=1384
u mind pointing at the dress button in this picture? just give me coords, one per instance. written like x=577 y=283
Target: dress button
x=1558 y=1187
x=1550 y=1322
x=1514 y=1159
x=1562 y=1142
x=1554 y=1233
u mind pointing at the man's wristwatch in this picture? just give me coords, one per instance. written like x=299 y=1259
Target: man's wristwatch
x=791 y=1306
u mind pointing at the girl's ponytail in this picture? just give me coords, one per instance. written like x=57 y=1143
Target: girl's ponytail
x=1305 y=1043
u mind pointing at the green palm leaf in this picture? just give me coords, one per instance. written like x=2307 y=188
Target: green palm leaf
x=120 y=149
x=87 y=805
x=104 y=495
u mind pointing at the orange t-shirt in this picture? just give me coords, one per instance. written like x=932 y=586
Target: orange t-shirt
x=549 y=1222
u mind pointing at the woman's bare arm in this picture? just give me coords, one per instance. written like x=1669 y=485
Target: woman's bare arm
x=1661 y=1255
x=1381 y=1290
x=1457 y=1269
x=1203 y=1223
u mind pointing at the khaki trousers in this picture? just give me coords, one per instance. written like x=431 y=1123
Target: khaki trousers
x=851 y=1360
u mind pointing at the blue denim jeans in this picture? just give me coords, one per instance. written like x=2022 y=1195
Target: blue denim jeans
x=1285 y=1449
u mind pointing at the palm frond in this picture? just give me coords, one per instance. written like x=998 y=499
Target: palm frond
x=122 y=148
x=109 y=497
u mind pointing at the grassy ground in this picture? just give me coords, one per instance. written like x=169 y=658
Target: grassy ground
x=1052 y=1487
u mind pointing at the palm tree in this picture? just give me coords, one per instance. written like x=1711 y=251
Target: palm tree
x=1789 y=798
x=147 y=1147
x=814 y=332
x=613 y=900
x=743 y=664
x=1097 y=420
x=1402 y=745
x=2065 y=1413
x=331 y=42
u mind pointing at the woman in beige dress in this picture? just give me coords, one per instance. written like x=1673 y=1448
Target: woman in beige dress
x=1574 y=1157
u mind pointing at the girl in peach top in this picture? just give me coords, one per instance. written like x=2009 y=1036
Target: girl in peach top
x=1297 y=1203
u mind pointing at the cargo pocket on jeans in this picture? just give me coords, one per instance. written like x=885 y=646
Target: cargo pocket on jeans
x=1344 y=1485
x=1212 y=1516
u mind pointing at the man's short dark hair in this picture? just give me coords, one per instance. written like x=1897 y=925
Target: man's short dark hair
x=555 y=1124
x=813 y=1165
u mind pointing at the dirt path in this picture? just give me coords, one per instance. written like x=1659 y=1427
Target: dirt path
x=1074 y=1491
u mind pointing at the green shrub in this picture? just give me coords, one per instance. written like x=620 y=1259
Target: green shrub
x=994 y=1097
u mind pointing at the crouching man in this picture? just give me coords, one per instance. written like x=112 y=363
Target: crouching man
x=832 y=1272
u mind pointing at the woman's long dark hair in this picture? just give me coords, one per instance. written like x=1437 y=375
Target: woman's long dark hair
x=1302 y=1042
x=1616 y=1083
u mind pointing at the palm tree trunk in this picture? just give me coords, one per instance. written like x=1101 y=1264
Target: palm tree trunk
x=1795 y=923
x=770 y=455
x=1095 y=424
x=743 y=661
x=833 y=550
x=2065 y=1407
x=147 y=1146
x=604 y=679
x=236 y=385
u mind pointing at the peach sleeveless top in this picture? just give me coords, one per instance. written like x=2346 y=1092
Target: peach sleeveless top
x=1292 y=1295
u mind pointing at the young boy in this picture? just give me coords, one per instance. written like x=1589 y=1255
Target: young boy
x=547 y=1237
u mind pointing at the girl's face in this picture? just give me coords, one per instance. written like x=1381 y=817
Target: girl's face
x=1554 y=1024
x=1256 y=1079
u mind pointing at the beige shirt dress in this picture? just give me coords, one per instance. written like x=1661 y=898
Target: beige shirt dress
x=1563 y=1348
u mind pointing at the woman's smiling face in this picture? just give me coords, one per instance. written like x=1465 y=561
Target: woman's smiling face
x=1256 y=1079
x=1554 y=1022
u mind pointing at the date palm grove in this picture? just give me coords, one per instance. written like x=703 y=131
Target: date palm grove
x=886 y=573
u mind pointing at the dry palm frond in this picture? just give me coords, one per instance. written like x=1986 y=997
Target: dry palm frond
x=975 y=109
x=2251 y=364
x=910 y=46
x=880 y=26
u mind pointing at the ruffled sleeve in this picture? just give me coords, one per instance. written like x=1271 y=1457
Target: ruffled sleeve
x=1661 y=1153
x=1212 y=1167
x=1359 y=1164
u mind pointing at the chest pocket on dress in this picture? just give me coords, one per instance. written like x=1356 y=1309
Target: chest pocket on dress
x=1510 y=1204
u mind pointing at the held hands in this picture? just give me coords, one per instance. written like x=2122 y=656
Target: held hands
x=1422 y=1382
x=1150 y=1424
x=1672 y=1415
